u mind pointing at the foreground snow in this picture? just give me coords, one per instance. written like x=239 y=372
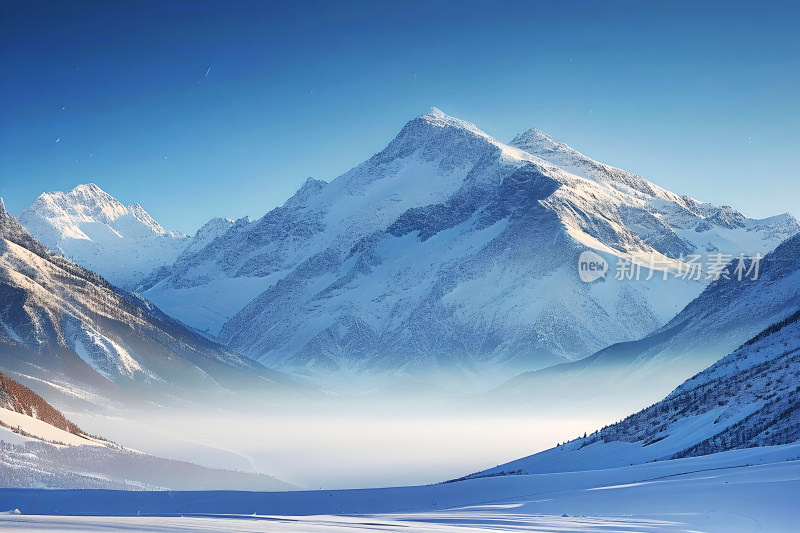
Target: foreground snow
x=738 y=491
x=481 y=519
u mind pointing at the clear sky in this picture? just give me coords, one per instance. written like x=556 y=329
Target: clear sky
x=200 y=108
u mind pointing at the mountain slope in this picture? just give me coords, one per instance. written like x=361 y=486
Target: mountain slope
x=749 y=398
x=122 y=243
x=37 y=465
x=669 y=223
x=65 y=327
x=725 y=315
x=27 y=414
x=451 y=250
x=39 y=448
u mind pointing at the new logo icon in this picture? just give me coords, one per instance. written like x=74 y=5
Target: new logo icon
x=591 y=267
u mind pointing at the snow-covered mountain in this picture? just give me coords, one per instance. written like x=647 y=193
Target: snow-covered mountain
x=452 y=250
x=725 y=315
x=122 y=243
x=66 y=330
x=749 y=398
x=671 y=224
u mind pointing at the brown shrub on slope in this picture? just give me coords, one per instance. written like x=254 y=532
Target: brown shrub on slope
x=19 y=398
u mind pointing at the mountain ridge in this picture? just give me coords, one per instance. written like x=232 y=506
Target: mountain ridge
x=483 y=165
x=380 y=261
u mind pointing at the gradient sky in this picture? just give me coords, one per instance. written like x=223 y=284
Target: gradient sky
x=198 y=109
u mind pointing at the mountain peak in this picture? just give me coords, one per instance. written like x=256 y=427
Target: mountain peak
x=435 y=130
x=435 y=112
x=84 y=202
x=310 y=188
x=241 y=222
x=538 y=134
x=205 y=235
x=89 y=225
x=536 y=142
x=216 y=222
x=437 y=117
x=88 y=188
x=92 y=194
x=5 y=218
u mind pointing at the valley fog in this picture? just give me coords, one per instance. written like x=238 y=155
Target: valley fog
x=341 y=445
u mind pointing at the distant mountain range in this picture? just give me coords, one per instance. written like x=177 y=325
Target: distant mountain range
x=123 y=243
x=447 y=252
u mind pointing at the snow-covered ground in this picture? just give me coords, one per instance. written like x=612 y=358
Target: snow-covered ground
x=738 y=491
x=40 y=430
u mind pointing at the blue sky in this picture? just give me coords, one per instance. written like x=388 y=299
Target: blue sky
x=199 y=108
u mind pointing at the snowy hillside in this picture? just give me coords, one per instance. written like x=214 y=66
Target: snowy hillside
x=122 y=243
x=42 y=465
x=454 y=251
x=748 y=399
x=66 y=330
x=39 y=448
x=25 y=416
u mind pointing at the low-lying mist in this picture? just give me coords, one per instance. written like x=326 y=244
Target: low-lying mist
x=346 y=443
